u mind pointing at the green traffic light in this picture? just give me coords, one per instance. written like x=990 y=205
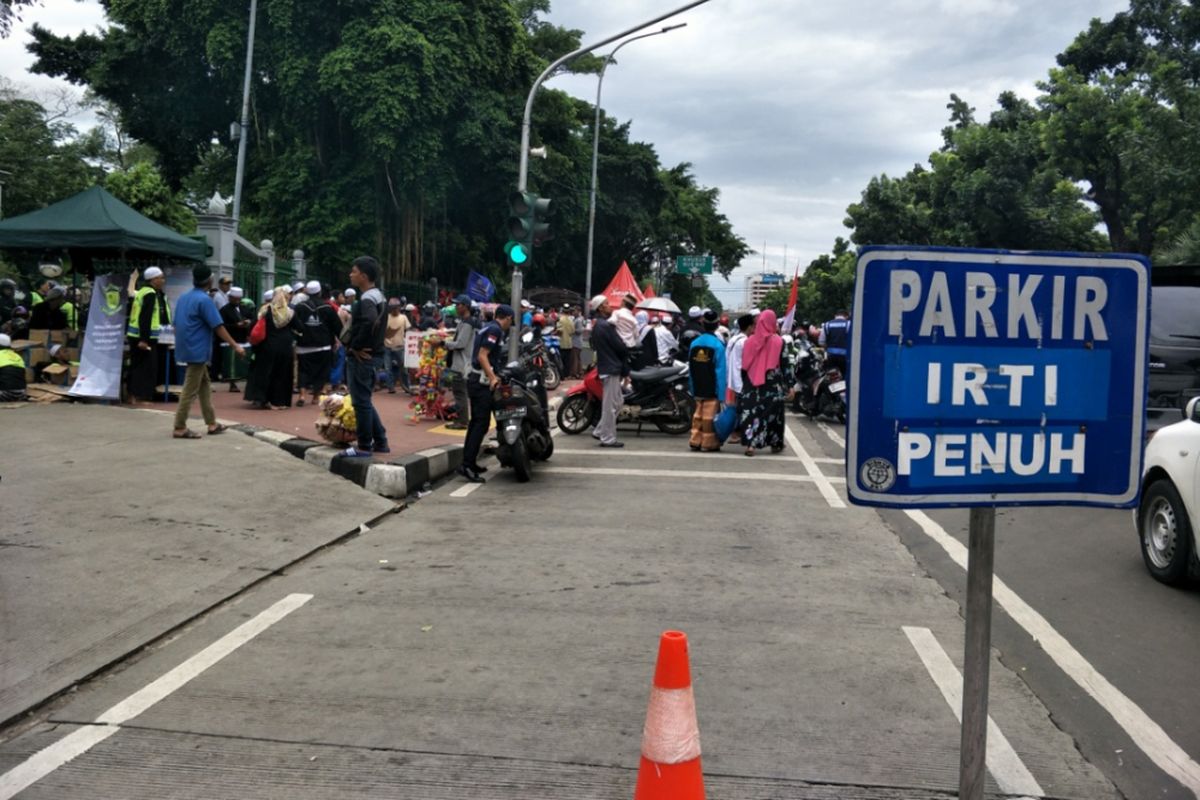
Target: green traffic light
x=516 y=252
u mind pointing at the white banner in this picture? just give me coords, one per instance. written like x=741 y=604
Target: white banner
x=104 y=340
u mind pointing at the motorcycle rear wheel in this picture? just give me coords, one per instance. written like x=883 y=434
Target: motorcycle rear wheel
x=682 y=421
x=550 y=376
x=575 y=414
x=520 y=460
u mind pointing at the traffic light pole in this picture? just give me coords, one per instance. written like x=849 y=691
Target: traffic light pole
x=608 y=59
x=523 y=172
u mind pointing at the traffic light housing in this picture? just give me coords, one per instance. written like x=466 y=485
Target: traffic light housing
x=527 y=226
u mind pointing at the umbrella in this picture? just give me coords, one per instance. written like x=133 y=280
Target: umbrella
x=659 y=304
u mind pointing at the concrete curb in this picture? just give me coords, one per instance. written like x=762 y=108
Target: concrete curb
x=395 y=479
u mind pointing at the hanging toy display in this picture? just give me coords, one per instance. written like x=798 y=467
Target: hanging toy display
x=427 y=402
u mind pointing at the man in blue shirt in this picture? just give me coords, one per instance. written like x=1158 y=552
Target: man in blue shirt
x=196 y=321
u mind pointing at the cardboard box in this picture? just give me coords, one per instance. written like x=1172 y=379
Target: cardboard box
x=57 y=374
x=49 y=337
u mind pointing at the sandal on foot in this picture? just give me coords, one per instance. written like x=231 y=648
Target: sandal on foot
x=749 y=451
x=186 y=433
x=218 y=429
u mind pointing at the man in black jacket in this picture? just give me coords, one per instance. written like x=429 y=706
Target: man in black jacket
x=363 y=346
x=612 y=362
x=318 y=327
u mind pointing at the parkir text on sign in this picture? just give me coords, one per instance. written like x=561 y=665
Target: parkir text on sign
x=986 y=378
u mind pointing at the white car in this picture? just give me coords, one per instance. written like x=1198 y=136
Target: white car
x=1169 y=513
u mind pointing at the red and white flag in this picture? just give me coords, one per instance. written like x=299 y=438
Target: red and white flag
x=789 y=319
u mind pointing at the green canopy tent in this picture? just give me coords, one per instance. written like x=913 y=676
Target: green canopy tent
x=95 y=220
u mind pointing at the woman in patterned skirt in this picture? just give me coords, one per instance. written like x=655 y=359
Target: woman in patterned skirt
x=760 y=405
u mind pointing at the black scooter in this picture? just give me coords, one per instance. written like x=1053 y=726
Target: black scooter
x=522 y=427
x=820 y=388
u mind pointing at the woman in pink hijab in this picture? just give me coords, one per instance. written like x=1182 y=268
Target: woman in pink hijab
x=760 y=406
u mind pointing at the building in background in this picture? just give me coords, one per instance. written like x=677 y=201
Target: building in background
x=757 y=286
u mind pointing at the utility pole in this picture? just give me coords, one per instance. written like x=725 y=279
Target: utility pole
x=244 y=127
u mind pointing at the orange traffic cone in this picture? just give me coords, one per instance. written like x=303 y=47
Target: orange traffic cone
x=670 y=768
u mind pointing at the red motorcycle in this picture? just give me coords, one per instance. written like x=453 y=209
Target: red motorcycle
x=660 y=396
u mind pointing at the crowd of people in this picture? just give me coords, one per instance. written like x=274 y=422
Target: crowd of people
x=305 y=340
x=742 y=372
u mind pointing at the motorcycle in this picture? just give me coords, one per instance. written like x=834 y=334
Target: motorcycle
x=522 y=426
x=660 y=396
x=820 y=387
x=554 y=358
x=535 y=352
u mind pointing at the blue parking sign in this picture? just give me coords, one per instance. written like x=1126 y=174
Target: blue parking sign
x=995 y=378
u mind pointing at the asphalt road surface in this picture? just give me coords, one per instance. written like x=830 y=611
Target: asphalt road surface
x=1081 y=570
x=498 y=641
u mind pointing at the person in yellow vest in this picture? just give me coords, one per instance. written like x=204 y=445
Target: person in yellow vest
x=39 y=291
x=148 y=314
x=12 y=372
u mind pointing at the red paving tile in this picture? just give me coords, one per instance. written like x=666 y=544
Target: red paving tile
x=404 y=436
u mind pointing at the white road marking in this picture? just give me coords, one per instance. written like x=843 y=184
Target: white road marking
x=832 y=434
x=464 y=491
x=825 y=485
x=75 y=744
x=605 y=451
x=691 y=474
x=1144 y=731
x=1003 y=762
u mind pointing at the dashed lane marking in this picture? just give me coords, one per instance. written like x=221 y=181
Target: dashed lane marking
x=465 y=491
x=45 y=761
x=1145 y=732
x=1003 y=762
x=833 y=435
x=824 y=484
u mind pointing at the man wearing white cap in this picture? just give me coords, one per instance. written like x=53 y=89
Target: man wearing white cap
x=238 y=322
x=318 y=327
x=612 y=362
x=351 y=295
x=147 y=316
x=12 y=372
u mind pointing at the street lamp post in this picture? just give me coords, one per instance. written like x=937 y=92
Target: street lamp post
x=523 y=168
x=587 y=290
x=245 y=122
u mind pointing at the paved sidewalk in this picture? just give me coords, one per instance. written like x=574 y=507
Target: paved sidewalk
x=422 y=451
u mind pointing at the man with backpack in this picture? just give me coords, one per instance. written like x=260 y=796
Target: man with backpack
x=317 y=328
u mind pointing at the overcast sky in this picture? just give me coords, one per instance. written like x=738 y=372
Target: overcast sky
x=788 y=107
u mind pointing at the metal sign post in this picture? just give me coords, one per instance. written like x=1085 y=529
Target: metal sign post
x=986 y=378
x=977 y=654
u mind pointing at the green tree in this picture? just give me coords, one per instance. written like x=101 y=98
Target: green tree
x=44 y=162
x=1121 y=111
x=388 y=127
x=990 y=185
x=143 y=188
x=10 y=12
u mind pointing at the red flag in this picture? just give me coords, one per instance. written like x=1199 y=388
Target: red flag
x=789 y=319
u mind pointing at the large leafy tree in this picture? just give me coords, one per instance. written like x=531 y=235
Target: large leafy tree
x=40 y=154
x=1121 y=116
x=388 y=127
x=991 y=185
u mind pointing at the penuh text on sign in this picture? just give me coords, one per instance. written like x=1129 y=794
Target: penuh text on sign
x=997 y=378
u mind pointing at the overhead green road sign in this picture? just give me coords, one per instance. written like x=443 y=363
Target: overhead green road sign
x=693 y=265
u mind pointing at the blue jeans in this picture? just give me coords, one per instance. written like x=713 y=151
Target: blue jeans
x=393 y=365
x=360 y=376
